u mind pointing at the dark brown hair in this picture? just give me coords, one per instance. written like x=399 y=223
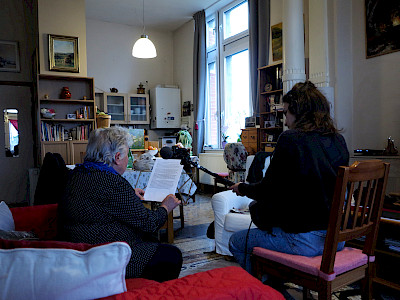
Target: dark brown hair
x=310 y=107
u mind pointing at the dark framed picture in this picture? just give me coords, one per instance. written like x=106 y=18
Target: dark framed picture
x=63 y=53
x=9 y=56
x=382 y=27
x=276 y=33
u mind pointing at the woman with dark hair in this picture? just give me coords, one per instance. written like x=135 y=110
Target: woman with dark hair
x=292 y=202
x=100 y=206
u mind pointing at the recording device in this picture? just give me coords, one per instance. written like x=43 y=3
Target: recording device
x=368 y=152
x=183 y=154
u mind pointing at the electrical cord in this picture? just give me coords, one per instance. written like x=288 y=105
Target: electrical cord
x=247 y=237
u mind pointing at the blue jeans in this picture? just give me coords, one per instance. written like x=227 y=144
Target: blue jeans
x=306 y=244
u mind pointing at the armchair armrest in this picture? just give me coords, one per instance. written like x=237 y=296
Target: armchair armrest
x=41 y=219
x=224 y=201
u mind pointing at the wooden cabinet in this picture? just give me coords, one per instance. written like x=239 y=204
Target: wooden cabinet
x=393 y=185
x=271 y=106
x=68 y=130
x=125 y=108
x=251 y=139
x=387 y=252
x=71 y=151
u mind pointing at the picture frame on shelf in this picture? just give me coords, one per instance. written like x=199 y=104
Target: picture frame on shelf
x=277 y=42
x=9 y=56
x=63 y=53
x=382 y=29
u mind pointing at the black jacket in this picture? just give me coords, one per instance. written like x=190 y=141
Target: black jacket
x=296 y=192
x=101 y=207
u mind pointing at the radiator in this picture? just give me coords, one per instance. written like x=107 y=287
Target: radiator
x=214 y=162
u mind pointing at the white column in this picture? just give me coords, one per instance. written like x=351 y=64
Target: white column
x=319 y=39
x=293 y=44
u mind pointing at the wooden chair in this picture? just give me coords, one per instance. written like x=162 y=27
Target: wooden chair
x=363 y=184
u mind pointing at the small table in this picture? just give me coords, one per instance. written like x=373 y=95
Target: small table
x=186 y=186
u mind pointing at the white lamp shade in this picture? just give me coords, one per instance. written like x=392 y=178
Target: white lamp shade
x=144 y=48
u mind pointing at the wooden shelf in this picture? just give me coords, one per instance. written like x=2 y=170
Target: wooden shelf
x=270 y=75
x=48 y=93
x=69 y=101
x=272 y=128
x=271 y=92
x=387 y=283
x=67 y=120
x=271 y=112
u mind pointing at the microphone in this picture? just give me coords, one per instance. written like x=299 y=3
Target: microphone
x=166 y=152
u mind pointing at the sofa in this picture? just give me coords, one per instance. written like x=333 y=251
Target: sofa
x=44 y=268
x=231 y=212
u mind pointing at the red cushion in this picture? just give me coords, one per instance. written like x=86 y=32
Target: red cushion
x=41 y=219
x=223 y=283
x=8 y=244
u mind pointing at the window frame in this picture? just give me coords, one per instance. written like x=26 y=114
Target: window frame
x=223 y=48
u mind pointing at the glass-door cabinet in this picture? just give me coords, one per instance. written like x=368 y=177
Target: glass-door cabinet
x=139 y=109
x=114 y=105
x=125 y=108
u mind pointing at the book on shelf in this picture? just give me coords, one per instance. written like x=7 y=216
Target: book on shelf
x=56 y=132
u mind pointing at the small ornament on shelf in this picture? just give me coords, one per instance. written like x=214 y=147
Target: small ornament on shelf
x=141 y=89
x=65 y=93
x=48 y=113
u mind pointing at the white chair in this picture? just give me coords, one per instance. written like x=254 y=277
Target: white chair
x=226 y=222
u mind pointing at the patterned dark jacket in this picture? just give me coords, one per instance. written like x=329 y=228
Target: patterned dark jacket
x=100 y=206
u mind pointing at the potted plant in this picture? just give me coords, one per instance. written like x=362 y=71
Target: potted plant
x=224 y=140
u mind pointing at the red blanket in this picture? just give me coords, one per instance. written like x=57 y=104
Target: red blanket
x=224 y=283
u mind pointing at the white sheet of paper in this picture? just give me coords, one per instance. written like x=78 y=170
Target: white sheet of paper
x=163 y=179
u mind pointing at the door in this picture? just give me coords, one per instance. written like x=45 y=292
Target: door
x=14 y=168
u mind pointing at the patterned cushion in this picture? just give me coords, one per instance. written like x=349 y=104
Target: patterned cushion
x=347 y=259
x=235 y=156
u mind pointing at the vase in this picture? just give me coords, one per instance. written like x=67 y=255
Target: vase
x=65 y=93
x=223 y=145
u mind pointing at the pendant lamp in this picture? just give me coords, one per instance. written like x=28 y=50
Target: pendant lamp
x=144 y=48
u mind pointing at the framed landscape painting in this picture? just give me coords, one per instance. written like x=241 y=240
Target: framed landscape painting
x=382 y=27
x=63 y=53
x=9 y=56
x=276 y=33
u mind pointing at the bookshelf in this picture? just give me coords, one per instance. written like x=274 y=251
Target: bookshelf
x=271 y=106
x=68 y=131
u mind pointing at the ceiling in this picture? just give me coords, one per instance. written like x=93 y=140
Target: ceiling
x=165 y=15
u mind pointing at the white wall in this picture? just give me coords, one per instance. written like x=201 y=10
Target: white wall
x=183 y=64
x=62 y=18
x=376 y=93
x=344 y=70
x=110 y=60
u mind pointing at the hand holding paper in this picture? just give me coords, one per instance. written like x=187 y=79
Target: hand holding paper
x=163 y=179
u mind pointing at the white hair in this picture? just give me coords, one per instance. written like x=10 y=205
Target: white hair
x=104 y=143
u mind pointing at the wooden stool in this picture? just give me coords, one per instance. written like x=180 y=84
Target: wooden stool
x=217 y=180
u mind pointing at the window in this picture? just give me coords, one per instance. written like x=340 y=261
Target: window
x=228 y=94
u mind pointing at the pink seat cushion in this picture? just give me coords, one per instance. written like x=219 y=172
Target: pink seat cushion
x=346 y=260
x=223 y=174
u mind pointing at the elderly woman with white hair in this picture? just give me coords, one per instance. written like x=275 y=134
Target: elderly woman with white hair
x=100 y=206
